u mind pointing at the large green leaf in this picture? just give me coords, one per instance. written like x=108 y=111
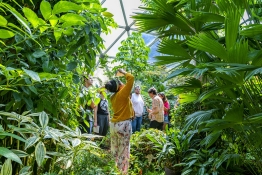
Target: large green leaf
x=25 y=171
x=72 y=49
x=213 y=92
x=32 y=74
x=7 y=168
x=235 y=113
x=40 y=152
x=170 y=47
x=45 y=9
x=20 y=153
x=210 y=139
x=207 y=17
x=58 y=33
x=3 y=21
x=19 y=17
x=177 y=72
x=232 y=20
x=12 y=135
x=65 y=6
x=31 y=141
x=31 y=16
x=252 y=30
x=76 y=142
x=39 y=53
x=207 y=44
x=43 y=118
x=53 y=20
x=71 y=66
x=9 y=154
x=70 y=17
x=6 y=34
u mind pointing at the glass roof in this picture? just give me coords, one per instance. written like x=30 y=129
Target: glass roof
x=122 y=11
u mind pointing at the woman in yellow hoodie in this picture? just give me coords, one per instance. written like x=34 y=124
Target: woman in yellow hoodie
x=120 y=125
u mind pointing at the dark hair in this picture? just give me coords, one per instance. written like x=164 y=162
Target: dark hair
x=112 y=85
x=163 y=95
x=152 y=90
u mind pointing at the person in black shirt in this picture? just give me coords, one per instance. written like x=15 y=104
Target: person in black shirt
x=101 y=115
x=87 y=110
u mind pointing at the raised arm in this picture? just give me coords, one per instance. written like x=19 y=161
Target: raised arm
x=129 y=83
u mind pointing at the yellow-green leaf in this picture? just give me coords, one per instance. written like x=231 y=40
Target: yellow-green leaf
x=6 y=34
x=42 y=25
x=53 y=20
x=65 y=6
x=46 y=9
x=3 y=21
x=31 y=16
x=58 y=33
x=108 y=14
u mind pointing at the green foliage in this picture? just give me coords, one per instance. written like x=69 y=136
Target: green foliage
x=221 y=55
x=45 y=46
x=50 y=50
x=50 y=148
x=145 y=146
x=132 y=55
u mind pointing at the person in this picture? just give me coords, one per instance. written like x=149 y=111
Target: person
x=156 y=114
x=166 y=109
x=87 y=110
x=138 y=106
x=101 y=115
x=120 y=125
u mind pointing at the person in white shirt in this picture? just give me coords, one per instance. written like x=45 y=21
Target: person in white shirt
x=138 y=106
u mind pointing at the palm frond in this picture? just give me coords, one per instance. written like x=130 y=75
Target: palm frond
x=207 y=17
x=183 y=71
x=232 y=20
x=166 y=60
x=234 y=113
x=213 y=92
x=161 y=18
x=170 y=47
x=204 y=43
x=252 y=30
x=227 y=158
x=198 y=117
x=238 y=53
x=210 y=139
x=253 y=73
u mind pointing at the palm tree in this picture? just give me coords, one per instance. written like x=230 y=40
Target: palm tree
x=216 y=45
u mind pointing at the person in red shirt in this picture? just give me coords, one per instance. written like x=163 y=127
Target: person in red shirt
x=166 y=109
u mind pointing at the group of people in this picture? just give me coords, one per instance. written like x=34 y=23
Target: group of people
x=127 y=115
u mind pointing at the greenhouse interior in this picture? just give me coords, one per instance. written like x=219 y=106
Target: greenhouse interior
x=130 y=87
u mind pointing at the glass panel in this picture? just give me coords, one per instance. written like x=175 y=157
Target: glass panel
x=153 y=52
x=130 y=7
x=112 y=52
x=111 y=37
x=113 y=6
x=148 y=38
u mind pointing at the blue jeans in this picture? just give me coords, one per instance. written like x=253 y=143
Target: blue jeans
x=136 y=124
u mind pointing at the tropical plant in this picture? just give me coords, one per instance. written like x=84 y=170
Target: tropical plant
x=216 y=46
x=144 y=147
x=47 y=149
x=45 y=46
x=132 y=55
